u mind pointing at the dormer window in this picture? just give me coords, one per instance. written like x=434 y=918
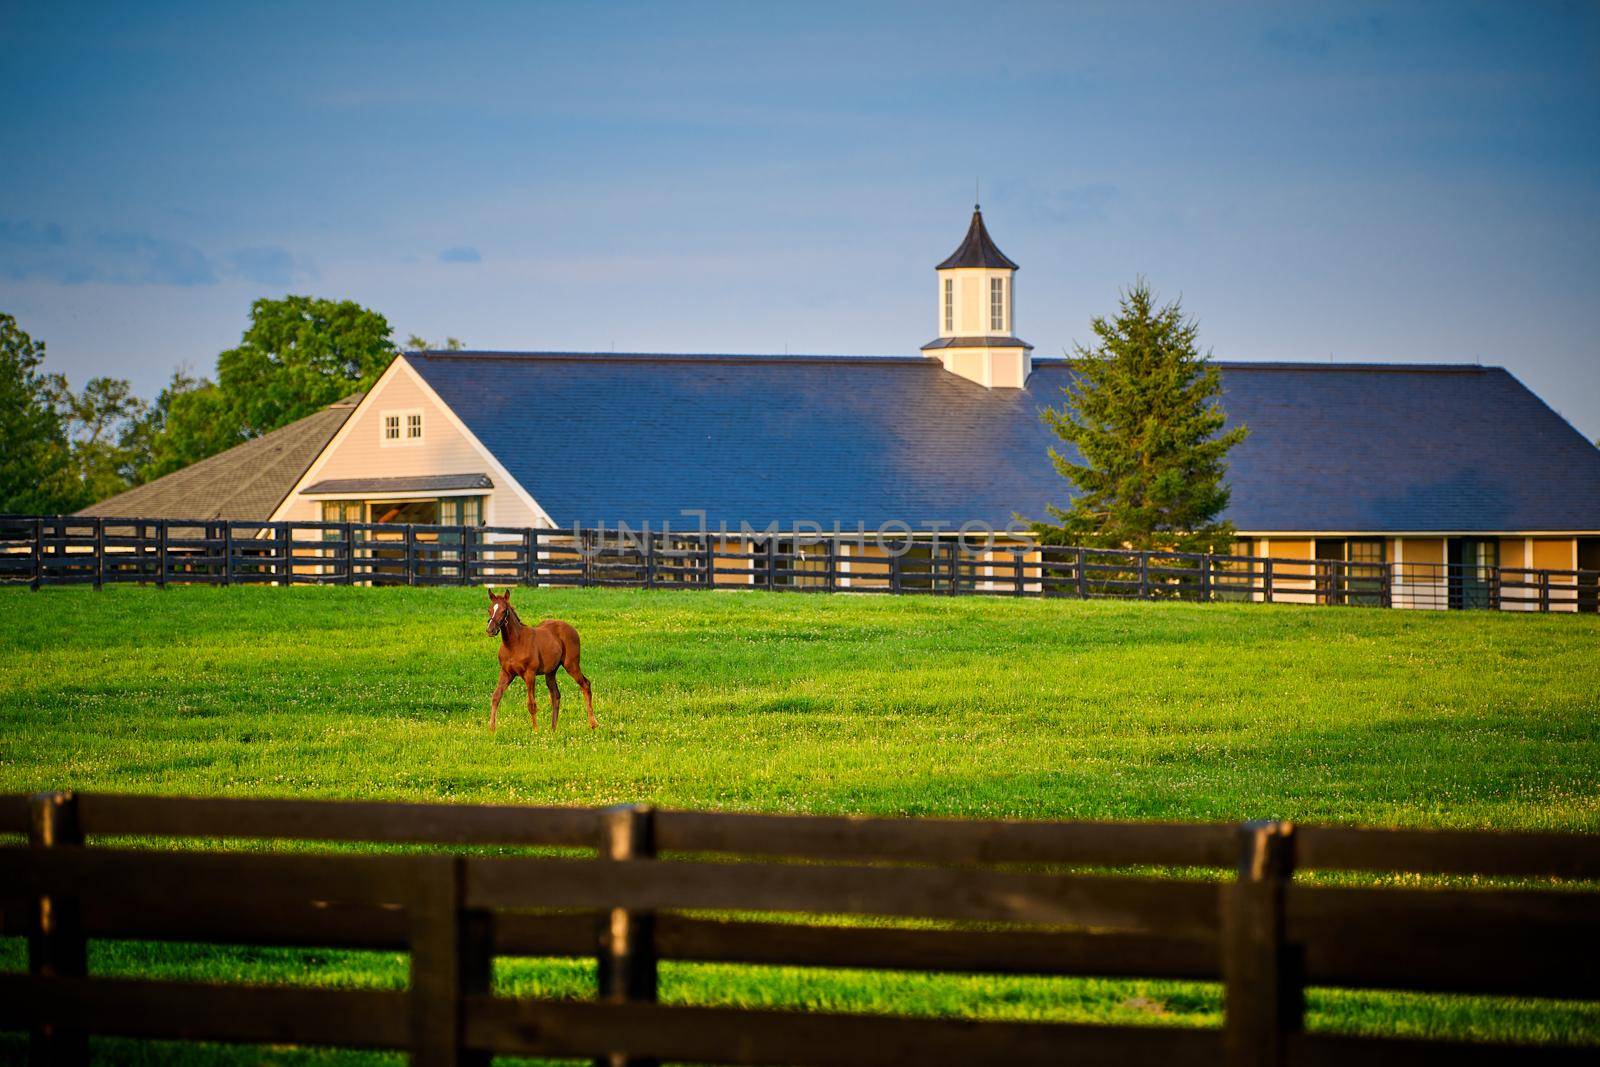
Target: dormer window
x=949 y=305
x=997 y=305
x=400 y=428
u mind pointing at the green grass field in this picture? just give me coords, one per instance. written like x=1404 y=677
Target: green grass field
x=780 y=702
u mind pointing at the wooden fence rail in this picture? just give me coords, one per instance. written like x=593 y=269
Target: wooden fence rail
x=637 y=889
x=40 y=551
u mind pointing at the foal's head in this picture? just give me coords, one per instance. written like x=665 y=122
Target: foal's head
x=499 y=611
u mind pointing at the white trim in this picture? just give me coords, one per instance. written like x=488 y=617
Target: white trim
x=505 y=480
x=410 y=494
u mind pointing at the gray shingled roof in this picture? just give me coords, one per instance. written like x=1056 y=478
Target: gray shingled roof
x=975 y=342
x=247 y=482
x=977 y=248
x=421 y=483
x=1333 y=447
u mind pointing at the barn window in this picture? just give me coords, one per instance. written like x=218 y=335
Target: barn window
x=997 y=305
x=342 y=511
x=949 y=305
x=402 y=427
x=461 y=510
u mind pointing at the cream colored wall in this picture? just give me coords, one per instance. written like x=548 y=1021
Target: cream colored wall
x=360 y=453
x=992 y=368
x=1511 y=552
x=1424 y=550
x=972 y=301
x=967 y=362
x=868 y=567
x=732 y=571
x=1554 y=553
x=1291 y=548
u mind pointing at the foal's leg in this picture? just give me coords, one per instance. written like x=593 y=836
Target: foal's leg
x=555 y=698
x=576 y=674
x=533 y=700
x=499 y=691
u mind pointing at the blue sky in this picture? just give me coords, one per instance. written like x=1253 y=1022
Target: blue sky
x=1387 y=182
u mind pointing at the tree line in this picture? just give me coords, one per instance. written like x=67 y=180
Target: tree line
x=62 y=449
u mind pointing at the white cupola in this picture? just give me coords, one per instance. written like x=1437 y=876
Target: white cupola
x=977 y=330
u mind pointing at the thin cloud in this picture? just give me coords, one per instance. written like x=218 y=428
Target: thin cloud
x=35 y=250
x=460 y=254
x=32 y=250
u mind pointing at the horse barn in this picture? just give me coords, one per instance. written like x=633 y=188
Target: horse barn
x=1415 y=471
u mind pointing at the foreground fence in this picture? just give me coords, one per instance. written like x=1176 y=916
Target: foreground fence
x=59 y=551
x=635 y=885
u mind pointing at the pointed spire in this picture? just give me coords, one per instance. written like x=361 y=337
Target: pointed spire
x=977 y=248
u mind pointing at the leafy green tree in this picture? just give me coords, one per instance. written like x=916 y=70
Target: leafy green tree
x=416 y=343
x=190 y=420
x=299 y=355
x=1142 y=414
x=101 y=424
x=36 y=475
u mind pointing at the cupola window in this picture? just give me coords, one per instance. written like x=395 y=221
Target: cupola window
x=949 y=305
x=997 y=305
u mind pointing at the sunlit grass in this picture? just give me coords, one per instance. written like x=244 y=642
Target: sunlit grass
x=749 y=701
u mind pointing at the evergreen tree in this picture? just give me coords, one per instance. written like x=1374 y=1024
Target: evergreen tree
x=36 y=471
x=1142 y=416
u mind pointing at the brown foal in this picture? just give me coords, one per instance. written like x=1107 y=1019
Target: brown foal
x=529 y=651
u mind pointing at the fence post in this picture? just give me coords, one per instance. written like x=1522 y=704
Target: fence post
x=627 y=956
x=711 y=564
x=1262 y=975
x=1205 y=578
x=161 y=553
x=466 y=554
x=1544 y=590
x=348 y=536
x=1144 y=576
x=1083 y=588
x=894 y=571
x=1017 y=571
x=772 y=563
x=99 y=553
x=56 y=944
x=411 y=553
x=530 y=556
x=833 y=564
x=1266 y=580
x=452 y=957
x=1387 y=597
x=37 y=553
x=1494 y=588
x=227 y=553
x=649 y=560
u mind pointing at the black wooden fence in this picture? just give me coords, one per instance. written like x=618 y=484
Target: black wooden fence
x=42 y=551
x=986 y=897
